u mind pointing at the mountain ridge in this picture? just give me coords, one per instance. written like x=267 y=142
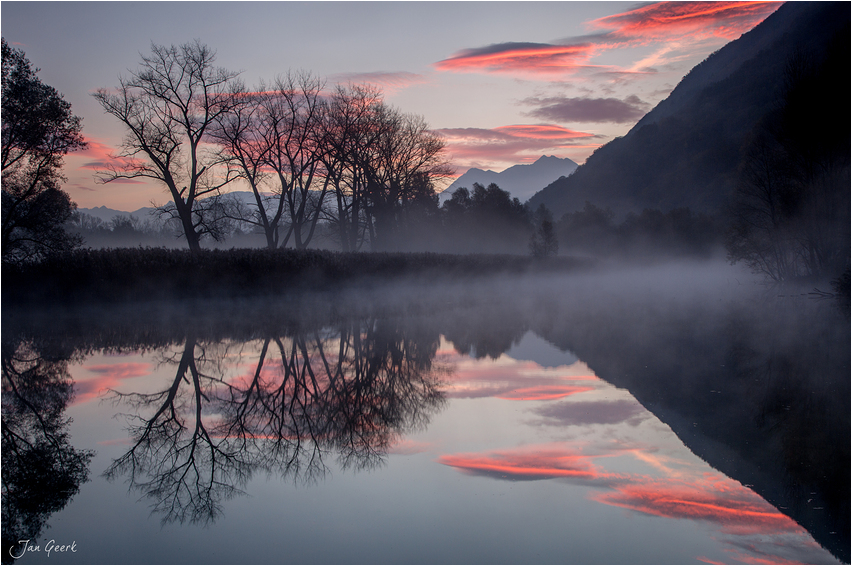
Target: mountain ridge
x=686 y=151
x=522 y=181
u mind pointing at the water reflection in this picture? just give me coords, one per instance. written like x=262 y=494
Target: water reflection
x=228 y=391
x=612 y=446
x=349 y=391
x=41 y=471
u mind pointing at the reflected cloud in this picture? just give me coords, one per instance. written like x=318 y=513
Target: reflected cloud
x=109 y=377
x=716 y=499
x=506 y=378
x=543 y=392
x=408 y=447
x=531 y=463
x=593 y=412
x=758 y=532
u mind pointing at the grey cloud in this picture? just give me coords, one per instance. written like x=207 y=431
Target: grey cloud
x=592 y=412
x=597 y=110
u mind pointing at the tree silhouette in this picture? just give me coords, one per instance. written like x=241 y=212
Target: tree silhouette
x=271 y=137
x=38 y=130
x=168 y=107
x=790 y=214
x=41 y=471
x=543 y=242
x=350 y=392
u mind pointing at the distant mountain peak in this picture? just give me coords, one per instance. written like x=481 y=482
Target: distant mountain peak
x=522 y=180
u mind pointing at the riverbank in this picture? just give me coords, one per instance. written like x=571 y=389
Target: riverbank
x=121 y=274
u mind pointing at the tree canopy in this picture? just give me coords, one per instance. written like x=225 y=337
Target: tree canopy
x=38 y=130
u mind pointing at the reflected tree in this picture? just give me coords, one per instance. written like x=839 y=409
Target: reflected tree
x=41 y=470
x=349 y=391
x=177 y=460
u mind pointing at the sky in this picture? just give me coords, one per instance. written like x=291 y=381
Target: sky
x=503 y=82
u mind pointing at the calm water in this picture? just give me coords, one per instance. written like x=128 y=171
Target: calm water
x=677 y=419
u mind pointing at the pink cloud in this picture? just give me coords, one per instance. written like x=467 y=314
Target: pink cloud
x=519 y=381
x=513 y=143
x=687 y=23
x=734 y=508
x=389 y=82
x=662 y=20
x=543 y=132
x=543 y=392
x=532 y=463
x=409 y=447
x=108 y=377
x=708 y=497
x=100 y=157
x=535 y=58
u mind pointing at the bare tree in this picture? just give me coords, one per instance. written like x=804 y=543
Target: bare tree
x=349 y=131
x=379 y=161
x=167 y=107
x=297 y=152
x=241 y=135
x=405 y=162
x=271 y=137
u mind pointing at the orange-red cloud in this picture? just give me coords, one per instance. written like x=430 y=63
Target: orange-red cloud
x=526 y=464
x=686 y=23
x=709 y=497
x=523 y=57
x=662 y=20
x=735 y=509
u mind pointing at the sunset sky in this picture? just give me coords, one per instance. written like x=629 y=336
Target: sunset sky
x=504 y=82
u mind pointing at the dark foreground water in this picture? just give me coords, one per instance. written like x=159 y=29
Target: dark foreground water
x=675 y=415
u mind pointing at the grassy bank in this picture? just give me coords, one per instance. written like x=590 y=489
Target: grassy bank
x=122 y=274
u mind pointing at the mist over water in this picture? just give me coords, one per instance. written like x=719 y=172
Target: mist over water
x=438 y=422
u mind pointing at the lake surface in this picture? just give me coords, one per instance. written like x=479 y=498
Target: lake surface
x=674 y=415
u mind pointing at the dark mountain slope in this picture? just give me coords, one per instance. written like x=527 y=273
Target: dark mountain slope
x=686 y=151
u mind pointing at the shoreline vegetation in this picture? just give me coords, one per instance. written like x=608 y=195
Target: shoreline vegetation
x=134 y=274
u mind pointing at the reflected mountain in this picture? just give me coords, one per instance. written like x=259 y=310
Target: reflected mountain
x=41 y=471
x=759 y=390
